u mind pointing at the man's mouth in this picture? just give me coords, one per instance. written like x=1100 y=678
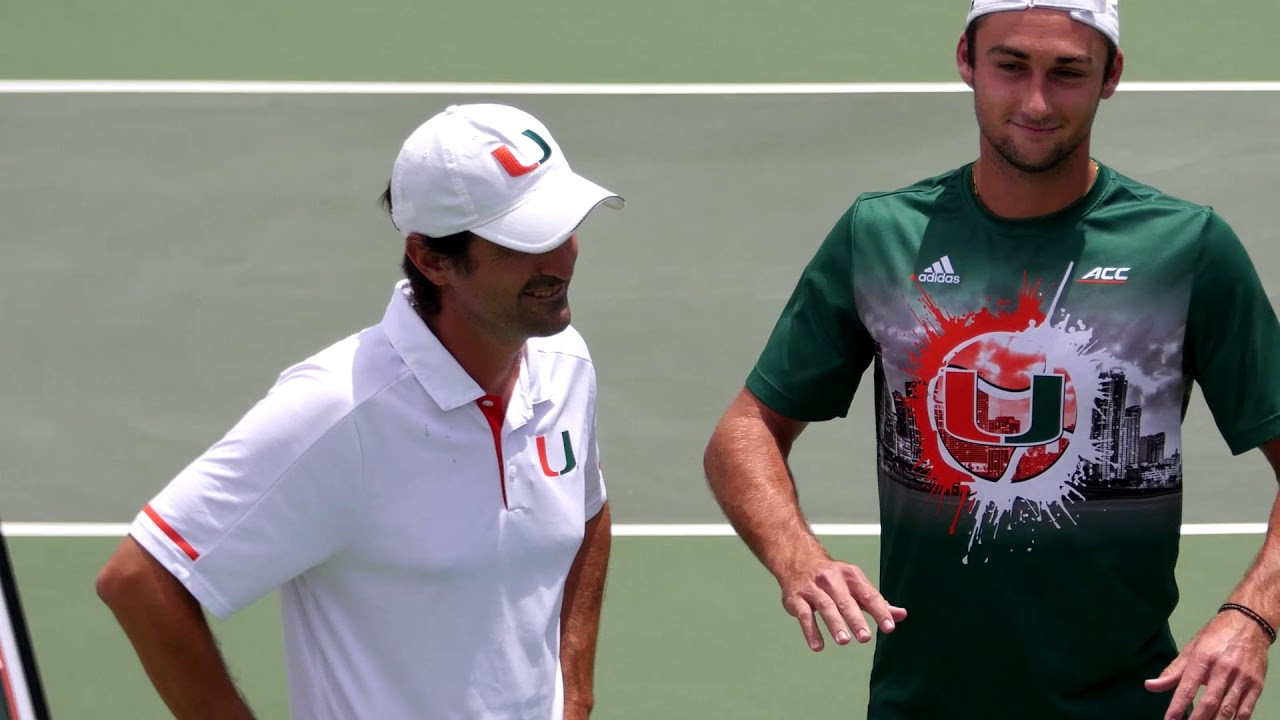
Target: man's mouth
x=547 y=293
x=1036 y=129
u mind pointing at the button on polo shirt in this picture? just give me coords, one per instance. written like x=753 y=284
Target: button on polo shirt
x=419 y=531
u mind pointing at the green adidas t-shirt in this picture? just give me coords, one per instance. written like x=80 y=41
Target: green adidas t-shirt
x=1030 y=378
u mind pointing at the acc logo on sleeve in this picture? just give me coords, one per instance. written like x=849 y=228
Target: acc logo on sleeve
x=1106 y=275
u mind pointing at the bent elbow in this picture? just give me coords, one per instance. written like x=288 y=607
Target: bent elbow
x=126 y=572
x=112 y=584
x=711 y=456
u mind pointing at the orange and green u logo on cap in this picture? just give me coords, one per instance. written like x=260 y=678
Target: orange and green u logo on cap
x=514 y=167
x=569 y=462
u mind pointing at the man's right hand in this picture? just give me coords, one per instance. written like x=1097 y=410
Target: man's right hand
x=840 y=593
x=746 y=468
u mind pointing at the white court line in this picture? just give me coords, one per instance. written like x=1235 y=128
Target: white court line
x=407 y=88
x=68 y=530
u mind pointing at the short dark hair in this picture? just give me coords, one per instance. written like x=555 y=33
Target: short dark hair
x=971 y=38
x=426 y=294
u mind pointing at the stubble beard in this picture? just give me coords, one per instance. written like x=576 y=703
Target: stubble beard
x=546 y=321
x=541 y=319
x=1008 y=150
x=519 y=323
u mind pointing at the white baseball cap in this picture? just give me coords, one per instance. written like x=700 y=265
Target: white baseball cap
x=496 y=171
x=1102 y=15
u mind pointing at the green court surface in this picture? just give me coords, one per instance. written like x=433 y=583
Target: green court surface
x=577 y=41
x=166 y=255
x=692 y=628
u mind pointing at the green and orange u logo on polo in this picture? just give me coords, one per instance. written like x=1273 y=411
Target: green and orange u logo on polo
x=507 y=159
x=569 y=462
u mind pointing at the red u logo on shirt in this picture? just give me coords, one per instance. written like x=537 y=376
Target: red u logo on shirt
x=514 y=167
x=569 y=462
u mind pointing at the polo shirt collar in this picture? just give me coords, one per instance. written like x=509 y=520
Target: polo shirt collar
x=436 y=369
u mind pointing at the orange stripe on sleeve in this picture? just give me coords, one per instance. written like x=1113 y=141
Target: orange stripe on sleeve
x=177 y=539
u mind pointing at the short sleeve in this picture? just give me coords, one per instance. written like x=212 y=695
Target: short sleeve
x=267 y=502
x=1233 y=341
x=818 y=350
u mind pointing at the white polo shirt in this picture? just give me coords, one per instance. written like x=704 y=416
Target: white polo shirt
x=420 y=535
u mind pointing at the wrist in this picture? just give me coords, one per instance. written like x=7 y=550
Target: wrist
x=801 y=557
x=1260 y=622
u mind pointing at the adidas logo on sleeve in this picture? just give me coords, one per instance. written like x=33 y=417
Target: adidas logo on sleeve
x=940 y=273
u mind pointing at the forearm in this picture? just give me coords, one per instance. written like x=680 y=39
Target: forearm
x=1260 y=588
x=747 y=472
x=171 y=637
x=580 y=615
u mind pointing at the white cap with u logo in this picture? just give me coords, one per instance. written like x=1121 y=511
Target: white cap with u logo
x=496 y=171
x=1102 y=15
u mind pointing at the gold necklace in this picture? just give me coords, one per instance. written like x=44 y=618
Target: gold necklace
x=973 y=174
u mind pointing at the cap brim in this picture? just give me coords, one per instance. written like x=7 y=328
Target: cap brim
x=549 y=215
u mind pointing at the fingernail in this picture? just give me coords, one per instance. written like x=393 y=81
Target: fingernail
x=863 y=636
x=887 y=625
x=842 y=636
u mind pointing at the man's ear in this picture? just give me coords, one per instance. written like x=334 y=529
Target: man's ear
x=430 y=263
x=962 y=60
x=1111 y=82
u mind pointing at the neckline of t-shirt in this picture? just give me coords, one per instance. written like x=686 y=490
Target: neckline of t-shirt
x=1072 y=212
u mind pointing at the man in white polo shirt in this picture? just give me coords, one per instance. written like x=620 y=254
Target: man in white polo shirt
x=427 y=493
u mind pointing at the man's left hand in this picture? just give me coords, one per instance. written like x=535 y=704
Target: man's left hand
x=1229 y=658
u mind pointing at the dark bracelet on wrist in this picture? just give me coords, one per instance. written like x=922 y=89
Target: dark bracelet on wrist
x=1262 y=622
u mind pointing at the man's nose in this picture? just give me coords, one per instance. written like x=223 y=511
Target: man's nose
x=559 y=262
x=1035 y=106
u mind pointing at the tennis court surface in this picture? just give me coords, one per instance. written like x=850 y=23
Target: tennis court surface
x=171 y=245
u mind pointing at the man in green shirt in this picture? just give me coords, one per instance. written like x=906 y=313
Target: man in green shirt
x=1036 y=322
